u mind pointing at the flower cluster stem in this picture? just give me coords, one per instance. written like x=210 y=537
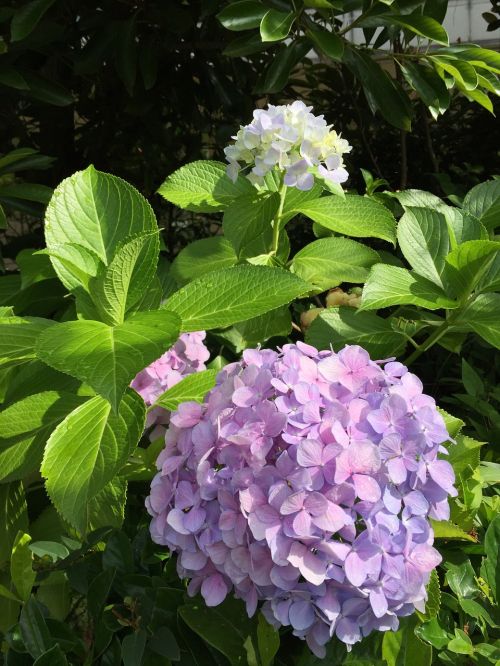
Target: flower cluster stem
x=434 y=337
x=277 y=220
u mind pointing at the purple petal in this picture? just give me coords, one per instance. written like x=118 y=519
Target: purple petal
x=214 y=590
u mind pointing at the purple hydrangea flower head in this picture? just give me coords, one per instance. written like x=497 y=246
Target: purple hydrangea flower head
x=188 y=355
x=306 y=480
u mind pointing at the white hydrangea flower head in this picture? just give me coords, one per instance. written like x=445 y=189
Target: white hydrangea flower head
x=291 y=138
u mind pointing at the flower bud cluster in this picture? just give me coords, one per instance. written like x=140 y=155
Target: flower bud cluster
x=306 y=480
x=188 y=355
x=292 y=139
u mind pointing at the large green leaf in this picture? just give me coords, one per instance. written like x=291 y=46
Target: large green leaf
x=327 y=42
x=13 y=516
x=429 y=85
x=225 y=627
x=391 y=285
x=329 y=261
x=21 y=566
x=107 y=508
x=247 y=224
x=403 y=648
x=202 y=256
x=257 y=330
x=106 y=357
x=341 y=326
x=192 y=388
x=75 y=473
x=483 y=201
x=27 y=17
x=231 y=295
x=425 y=26
x=278 y=73
x=127 y=278
x=467 y=264
x=481 y=316
x=353 y=216
x=276 y=25
x=25 y=427
x=242 y=15
x=97 y=211
x=424 y=240
x=18 y=337
x=492 y=550
x=382 y=93
x=203 y=187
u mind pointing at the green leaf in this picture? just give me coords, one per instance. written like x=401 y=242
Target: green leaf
x=353 y=216
x=425 y=26
x=18 y=338
x=483 y=58
x=34 y=630
x=231 y=295
x=79 y=262
x=53 y=549
x=164 y=643
x=225 y=627
x=327 y=42
x=243 y=15
x=461 y=644
x=247 y=224
x=34 y=267
x=25 y=427
x=433 y=603
x=382 y=93
x=202 y=256
x=492 y=561
x=483 y=202
x=390 y=285
x=47 y=90
x=429 y=85
x=462 y=579
x=36 y=377
x=193 y=387
x=276 y=77
x=244 y=45
x=467 y=264
x=445 y=529
x=133 y=646
x=464 y=454
x=268 y=641
x=329 y=261
x=432 y=632
x=481 y=316
x=340 y=326
x=464 y=74
x=21 y=565
x=276 y=25
x=107 y=508
x=424 y=240
x=13 y=516
x=27 y=192
x=403 y=648
x=26 y=19
x=3 y=219
x=53 y=657
x=75 y=474
x=453 y=424
x=476 y=611
x=105 y=357
x=203 y=187
x=97 y=211
x=121 y=284
x=257 y=330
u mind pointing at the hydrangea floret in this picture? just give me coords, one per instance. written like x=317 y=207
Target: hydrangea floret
x=291 y=138
x=306 y=480
x=188 y=355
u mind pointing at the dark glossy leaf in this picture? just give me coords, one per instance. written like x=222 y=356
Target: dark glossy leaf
x=27 y=17
x=242 y=15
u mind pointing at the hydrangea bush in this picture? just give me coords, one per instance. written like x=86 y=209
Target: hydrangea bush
x=306 y=480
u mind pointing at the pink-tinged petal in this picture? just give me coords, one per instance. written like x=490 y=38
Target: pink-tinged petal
x=194 y=519
x=175 y=518
x=227 y=520
x=442 y=473
x=390 y=446
x=245 y=397
x=364 y=458
x=342 y=467
x=392 y=500
x=378 y=602
x=214 y=590
x=397 y=470
x=424 y=557
x=355 y=569
x=251 y=498
x=310 y=566
x=301 y=615
x=333 y=519
x=188 y=414
x=416 y=502
x=366 y=488
x=331 y=368
x=172 y=464
x=309 y=453
x=293 y=503
x=316 y=504
x=354 y=357
x=302 y=524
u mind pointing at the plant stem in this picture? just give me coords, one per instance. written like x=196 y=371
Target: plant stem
x=277 y=220
x=435 y=336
